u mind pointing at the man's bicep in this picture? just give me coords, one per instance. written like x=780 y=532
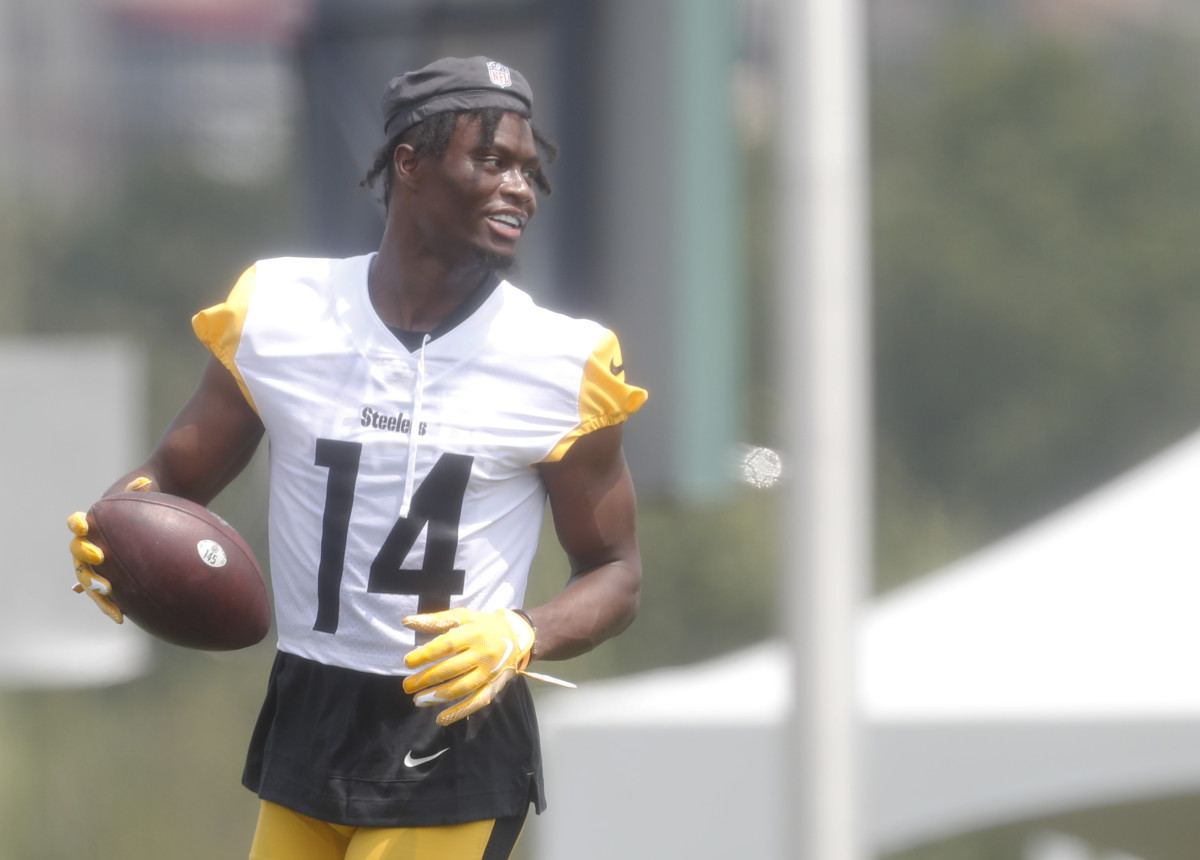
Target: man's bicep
x=210 y=440
x=592 y=500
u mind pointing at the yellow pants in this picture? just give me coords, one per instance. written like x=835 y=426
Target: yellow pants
x=286 y=835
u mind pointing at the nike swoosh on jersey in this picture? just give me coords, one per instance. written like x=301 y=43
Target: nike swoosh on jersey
x=614 y=368
x=411 y=760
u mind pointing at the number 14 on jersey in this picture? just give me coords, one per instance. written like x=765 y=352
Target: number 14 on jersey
x=436 y=506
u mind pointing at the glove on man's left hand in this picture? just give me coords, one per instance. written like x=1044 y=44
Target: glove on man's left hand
x=476 y=654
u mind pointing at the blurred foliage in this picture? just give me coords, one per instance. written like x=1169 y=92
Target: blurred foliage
x=992 y=846
x=172 y=243
x=148 y=769
x=14 y=301
x=1034 y=207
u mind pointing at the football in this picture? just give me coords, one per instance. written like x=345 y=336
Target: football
x=179 y=571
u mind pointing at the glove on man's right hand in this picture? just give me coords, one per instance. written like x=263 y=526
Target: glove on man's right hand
x=86 y=554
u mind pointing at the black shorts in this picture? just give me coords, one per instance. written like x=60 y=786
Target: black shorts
x=351 y=748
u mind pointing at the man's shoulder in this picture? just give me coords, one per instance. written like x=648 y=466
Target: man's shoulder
x=543 y=323
x=320 y=279
x=309 y=266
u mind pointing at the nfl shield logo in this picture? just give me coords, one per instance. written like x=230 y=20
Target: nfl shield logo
x=499 y=74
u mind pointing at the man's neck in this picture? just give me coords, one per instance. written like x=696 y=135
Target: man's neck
x=416 y=293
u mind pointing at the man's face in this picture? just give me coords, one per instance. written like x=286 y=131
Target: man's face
x=475 y=202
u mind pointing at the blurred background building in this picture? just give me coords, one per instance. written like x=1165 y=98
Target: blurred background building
x=90 y=87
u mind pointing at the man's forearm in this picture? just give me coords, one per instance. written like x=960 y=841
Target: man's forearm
x=595 y=605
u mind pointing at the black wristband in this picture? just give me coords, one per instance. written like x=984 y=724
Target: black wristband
x=533 y=650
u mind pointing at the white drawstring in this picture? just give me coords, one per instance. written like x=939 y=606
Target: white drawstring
x=414 y=429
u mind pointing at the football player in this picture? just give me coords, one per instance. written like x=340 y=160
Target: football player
x=421 y=411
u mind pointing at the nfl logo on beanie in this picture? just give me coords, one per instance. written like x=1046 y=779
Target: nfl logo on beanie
x=453 y=84
x=499 y=74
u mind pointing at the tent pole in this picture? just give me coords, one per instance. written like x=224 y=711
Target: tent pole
x=821 y=261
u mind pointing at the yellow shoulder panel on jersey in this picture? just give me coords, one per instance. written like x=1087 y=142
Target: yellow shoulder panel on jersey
x=220 y=327
x=604 y=397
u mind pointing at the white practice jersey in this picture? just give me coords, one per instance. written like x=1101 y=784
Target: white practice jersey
x=401 y=481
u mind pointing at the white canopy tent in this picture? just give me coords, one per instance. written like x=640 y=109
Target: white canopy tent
x=1051 y=678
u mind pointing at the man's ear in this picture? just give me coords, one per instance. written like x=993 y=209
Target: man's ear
x=406 y=165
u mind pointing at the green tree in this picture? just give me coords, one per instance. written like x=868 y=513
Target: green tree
x=172 y=243
x=1035 y=215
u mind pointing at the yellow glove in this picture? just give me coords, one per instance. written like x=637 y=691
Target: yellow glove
x=476 y=654
x=87 y=554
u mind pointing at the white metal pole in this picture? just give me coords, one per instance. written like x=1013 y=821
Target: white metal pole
x=822 y=274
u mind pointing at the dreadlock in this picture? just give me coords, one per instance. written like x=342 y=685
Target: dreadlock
x=432 y=137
